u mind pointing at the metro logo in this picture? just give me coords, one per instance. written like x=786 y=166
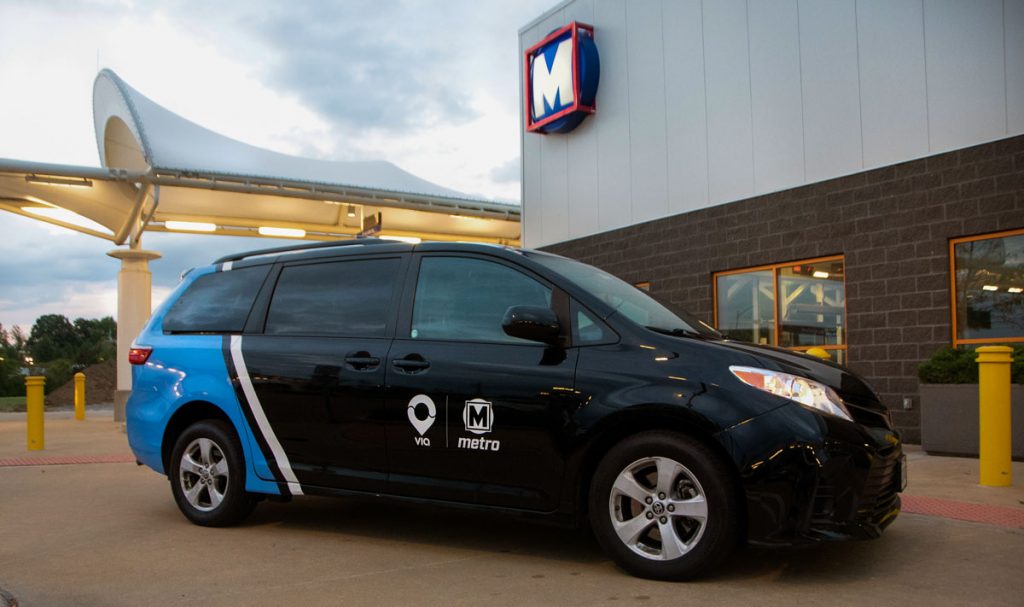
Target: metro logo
x=561 y=75
x=552 y=80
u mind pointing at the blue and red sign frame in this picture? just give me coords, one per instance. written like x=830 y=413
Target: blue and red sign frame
x=585 y=75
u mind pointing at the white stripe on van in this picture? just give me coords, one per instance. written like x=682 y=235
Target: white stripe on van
x=261 y=418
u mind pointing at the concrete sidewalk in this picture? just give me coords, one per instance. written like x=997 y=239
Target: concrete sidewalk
x=110 y=534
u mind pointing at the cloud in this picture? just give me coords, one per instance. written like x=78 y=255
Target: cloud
x=430 y=86
x=506 y=172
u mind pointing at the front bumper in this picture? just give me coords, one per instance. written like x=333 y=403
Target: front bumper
x=810 y=477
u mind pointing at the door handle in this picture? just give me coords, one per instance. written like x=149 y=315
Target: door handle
x=412 y=363
x=362 y=361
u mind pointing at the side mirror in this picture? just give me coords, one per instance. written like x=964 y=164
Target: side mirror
x=533 y=323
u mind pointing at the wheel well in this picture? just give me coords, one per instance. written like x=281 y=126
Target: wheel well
x=644 y=422
x=185 y=416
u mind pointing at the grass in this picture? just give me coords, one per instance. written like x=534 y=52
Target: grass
x=12 y=403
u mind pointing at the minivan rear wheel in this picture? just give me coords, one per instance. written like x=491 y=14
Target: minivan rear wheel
x=663 y=506
x=207 y=475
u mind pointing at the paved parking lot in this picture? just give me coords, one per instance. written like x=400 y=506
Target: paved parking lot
x=109 y=534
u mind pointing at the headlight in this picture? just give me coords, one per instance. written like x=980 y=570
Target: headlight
x=807 y=392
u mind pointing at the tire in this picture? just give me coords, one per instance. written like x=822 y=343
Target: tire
x=207 y=474
x=696 y=501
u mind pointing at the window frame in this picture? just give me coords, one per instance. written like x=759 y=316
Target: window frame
x=777 y=328
x=957 y=342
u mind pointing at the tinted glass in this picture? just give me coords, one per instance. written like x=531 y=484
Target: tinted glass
x=216 y=303
x=588 y=330
x=812 y=304
x=623 y=297
x=746 y=306
x=466 y=299
x=342 y=298
x=990 y=288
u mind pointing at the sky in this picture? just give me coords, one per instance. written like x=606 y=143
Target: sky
x=431 y=86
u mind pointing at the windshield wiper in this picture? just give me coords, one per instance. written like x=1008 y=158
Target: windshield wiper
x=676 y=332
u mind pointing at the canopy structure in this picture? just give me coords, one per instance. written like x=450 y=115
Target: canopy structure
x=162 y=172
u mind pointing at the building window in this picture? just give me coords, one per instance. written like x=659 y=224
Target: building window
x=987 y=275
x=797 y=305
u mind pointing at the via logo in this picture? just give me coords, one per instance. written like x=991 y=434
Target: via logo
x=422 y=404
x=478 y=416
x=561 y=73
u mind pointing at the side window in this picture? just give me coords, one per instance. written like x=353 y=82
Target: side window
x=466 y=299
x=588 y=330
x=217 y=302
x=342 y=298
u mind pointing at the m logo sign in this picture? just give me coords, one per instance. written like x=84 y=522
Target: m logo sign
x=478 y=416
x=560 y=83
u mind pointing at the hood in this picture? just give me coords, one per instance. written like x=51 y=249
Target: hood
x=851 y=387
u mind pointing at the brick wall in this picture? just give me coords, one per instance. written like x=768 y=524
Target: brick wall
x=893 y=225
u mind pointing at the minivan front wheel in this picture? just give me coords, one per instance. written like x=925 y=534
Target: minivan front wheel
x=663 y=506
x=208 y=476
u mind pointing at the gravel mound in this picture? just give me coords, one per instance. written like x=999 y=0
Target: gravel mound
x=100 y=383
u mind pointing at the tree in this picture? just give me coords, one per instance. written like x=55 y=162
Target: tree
x=98 y=339
x=52 y=337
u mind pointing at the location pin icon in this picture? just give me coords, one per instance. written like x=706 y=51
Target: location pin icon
x=422 y=425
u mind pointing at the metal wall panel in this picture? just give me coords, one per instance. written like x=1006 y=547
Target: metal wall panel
x=647 y=145
x=964 y=51
x=554 y=156
x=894 y=107
x=530 y=162
x=613 y=161
x=831 y=88
x=584 y=215
x=727 y=77
x=686 y=130
x=706 y=102
x=776 y=100
x=1014 y=57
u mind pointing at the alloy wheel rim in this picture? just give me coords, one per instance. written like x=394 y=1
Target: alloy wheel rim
x=204 y=474
x=658 y=508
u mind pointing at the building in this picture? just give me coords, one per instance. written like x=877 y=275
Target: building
x=846 y=174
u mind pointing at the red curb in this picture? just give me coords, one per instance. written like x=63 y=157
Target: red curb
x=58 y=460
x=963 y=511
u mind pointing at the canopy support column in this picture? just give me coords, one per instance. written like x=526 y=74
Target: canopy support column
x=134 y=305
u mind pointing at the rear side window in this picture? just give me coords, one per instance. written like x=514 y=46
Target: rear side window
x=217 y=302
x=343 y=298
x=465 y=299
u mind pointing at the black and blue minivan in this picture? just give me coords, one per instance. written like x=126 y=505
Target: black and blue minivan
x=506 y=379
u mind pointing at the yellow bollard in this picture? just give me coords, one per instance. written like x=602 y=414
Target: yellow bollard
x=34 y=404
x=79 y=395
x=820 y=353
x=994 y=415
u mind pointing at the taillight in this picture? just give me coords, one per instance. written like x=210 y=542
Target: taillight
x=139 y=355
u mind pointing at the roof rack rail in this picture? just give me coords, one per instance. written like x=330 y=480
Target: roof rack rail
x=304 y=247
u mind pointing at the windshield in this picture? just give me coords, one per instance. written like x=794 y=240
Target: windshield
x=624 y=298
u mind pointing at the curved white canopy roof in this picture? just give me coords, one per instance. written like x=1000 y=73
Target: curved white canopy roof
x=161 y=168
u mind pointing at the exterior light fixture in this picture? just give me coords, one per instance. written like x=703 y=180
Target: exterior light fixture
x=286 y=232
x=73 y=182
x=820 y=274
x=989 y=288
x=1015 y=290
x=190 y=226
x=351 y=210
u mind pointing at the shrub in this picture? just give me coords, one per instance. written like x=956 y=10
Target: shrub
x=960 y=366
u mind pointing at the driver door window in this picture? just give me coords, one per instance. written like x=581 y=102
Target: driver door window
x=464 y=299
